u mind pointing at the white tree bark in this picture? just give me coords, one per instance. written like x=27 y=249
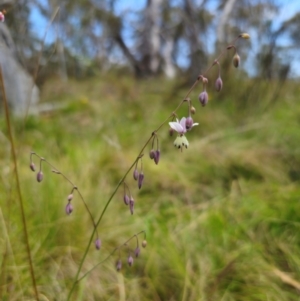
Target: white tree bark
x=221 y=28
x=151 y=42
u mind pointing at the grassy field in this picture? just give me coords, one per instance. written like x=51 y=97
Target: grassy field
x=221 y=218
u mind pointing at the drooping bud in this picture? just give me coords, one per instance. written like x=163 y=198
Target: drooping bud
x=130 y=260
x=98 y=244
x=189 y=123
x=203 y=98
x=245 y=35
x=131 y=205
x=219 y=84
x=141 y=179
x=126 y=199
x=236 y=60
x=69 y=208
x=32 y=166
x=137 y=251
x=39 y=176
x=70 y=197
x=144 y=243
x=119 y=265
x=193 y=110
x=135 y=174
x=157 y=156
x=152 y=154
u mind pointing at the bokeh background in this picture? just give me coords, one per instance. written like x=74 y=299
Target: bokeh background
x=221 y=217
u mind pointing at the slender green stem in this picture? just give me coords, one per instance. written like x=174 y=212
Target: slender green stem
x=200 y=77
x=19 y=193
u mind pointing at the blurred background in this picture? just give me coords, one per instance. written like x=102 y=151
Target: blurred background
x=88 y=82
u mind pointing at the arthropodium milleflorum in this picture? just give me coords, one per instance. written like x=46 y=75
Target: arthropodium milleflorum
x=179 y=125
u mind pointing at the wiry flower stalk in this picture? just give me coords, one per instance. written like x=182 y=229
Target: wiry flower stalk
x=181 y=127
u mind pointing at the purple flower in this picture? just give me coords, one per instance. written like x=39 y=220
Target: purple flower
x=131 y=205
x=98 y=244
x=130 y=260
x=69 y=208
x=219 y=84
x=135 y=174
x=181 y=127
x=137 y=252
x=203 y=98
x=32 y=166
x=126 y=199
x=39 y=176
x=119 y=265
x=156 y=156
x=141 y=179
x=189 y=123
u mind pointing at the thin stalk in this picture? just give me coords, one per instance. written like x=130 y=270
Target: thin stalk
x=19 y=193
x=200 y=77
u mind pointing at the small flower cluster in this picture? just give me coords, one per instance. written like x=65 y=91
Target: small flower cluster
x=131 y=253
x=186 y=124
x=69 y=207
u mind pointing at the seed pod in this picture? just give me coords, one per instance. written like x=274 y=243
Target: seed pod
x=144 y=243
x=98 y=244
x=236 y=60
x=70 y=197
x=39 y=176
x=193 y=110
x=219 y=84
x=203 y=98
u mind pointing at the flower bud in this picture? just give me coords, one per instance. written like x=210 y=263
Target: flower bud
x=98 y=244
x=193 y=110
x=32 y=166
x=236 y=60
x=130 y=260
x=144 y=243
x=189 y=123
x=245 y=35
x=219 y=84
x=126 y=199
x=70 y=197
x=135 y=174
x=203 y=98
x=152 y=154
x=131 y=205
x=39 y=176
x=157 y=156
x=141 y=179
x=119 y=265
x=137 y=252
x=69 y=208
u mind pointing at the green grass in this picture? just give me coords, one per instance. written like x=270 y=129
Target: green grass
x=221 y=217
